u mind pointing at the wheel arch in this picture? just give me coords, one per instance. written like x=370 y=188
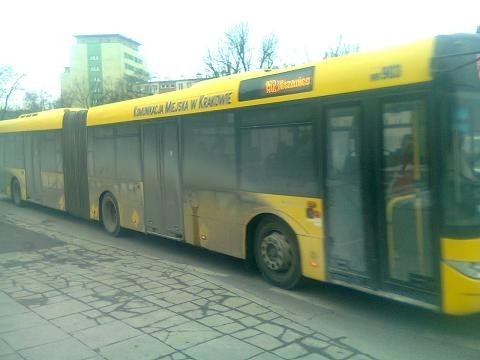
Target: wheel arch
x=252 y=226
x=14 y=179
x=99 y=204
x=113 y=223
x=19 y=175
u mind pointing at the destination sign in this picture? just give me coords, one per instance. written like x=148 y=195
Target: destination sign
x=290 y=82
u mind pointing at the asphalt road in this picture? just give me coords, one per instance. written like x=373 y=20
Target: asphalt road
x=381 y=328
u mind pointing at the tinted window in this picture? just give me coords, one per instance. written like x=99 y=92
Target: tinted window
x=407 y=195
x=277 y=152
x=101 y=152
x=114 y=152
x=404 y=147
x=209 y=151
x=14 y=151
x=461 y=165
x=51 y=152
x=128 y=152
x=343 y=144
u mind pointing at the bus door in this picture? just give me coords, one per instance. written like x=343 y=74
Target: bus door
x=163 y=213
x=32 y=166
x=408 y=241
x=345 y=213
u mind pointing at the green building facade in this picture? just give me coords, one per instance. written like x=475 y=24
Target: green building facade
x=103 y=69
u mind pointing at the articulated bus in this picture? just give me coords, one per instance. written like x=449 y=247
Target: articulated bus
x=362 y=170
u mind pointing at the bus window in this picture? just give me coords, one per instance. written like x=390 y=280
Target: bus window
x=398 y=151
x=51 y=152
x=209 y=152
x=14 y=151
x=462 y=161
x=114 y=152
x=127 y=148
x=101 y=146
x=407 y=199
x=277 y=158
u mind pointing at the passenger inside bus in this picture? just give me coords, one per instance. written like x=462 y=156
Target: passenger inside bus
x=402 y=160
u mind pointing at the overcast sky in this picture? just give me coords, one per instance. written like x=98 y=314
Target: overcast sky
x=36 y=35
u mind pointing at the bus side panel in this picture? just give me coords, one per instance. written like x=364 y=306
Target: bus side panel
x=304 y=216
x=461 y=294
x=19 y=174
x=48 y=172
x=33 y=150
x=129 y=196
x=114 y=166
x=14 y=162
x=278 y=149
x=210 y=199
x=212 y=221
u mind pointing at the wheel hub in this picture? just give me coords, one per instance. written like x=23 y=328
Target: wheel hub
x=276 y=252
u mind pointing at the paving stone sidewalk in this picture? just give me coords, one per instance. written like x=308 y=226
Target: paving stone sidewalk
x=67 y=301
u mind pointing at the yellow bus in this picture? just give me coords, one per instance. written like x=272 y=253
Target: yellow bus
x=360 y=170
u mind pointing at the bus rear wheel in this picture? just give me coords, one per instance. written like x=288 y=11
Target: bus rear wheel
x=16 y=193
x=276 y=253
x=110 y=215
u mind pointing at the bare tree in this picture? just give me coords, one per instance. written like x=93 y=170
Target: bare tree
x=237 y=40
x=234 y=53
x=77 y=94
x=268 y=51
x=82 y=94
x=118 y=90
x=34 y=101
x=341 y=48
x=9 y=84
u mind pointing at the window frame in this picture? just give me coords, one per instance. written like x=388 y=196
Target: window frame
x=309 y=118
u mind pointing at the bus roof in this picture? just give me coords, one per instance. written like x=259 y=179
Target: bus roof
x=44 y=120
x=408 y=64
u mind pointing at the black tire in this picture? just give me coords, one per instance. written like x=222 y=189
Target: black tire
x=16 y=192
x=276 y=253
x=111 y=215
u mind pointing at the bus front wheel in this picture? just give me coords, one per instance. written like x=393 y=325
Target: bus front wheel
x=276 y=253
x=16 y=193
x=111 y=215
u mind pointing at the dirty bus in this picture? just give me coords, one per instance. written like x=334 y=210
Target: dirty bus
x=360 y=170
